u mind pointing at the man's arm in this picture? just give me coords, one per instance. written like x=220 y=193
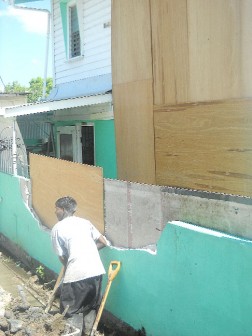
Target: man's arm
x=101 y=242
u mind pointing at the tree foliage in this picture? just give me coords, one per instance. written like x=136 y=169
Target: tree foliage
x=34 y=90
x=15 y=87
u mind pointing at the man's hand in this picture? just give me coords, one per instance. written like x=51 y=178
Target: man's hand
x=63 y=260
x=102 y=242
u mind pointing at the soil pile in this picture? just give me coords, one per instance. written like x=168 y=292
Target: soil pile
x=20 y=319
x=24 y=314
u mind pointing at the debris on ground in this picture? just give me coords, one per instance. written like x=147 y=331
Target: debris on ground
x=20 y=318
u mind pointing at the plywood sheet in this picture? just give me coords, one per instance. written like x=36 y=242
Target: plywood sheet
x=246 y=47
x=205 y=146
x=214 y=49
x=131 y=41
x=134 y=131
x=54 y=178
x=201 y=50
x=170 y=51
x=132 y=90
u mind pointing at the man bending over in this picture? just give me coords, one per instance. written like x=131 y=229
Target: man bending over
x=76 y=242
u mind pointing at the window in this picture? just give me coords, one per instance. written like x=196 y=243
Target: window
x=74 y=33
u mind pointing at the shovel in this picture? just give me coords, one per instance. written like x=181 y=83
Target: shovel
x=56 y=286
x=112 y=273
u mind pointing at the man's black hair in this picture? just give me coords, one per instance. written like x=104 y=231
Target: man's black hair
x=67 y=203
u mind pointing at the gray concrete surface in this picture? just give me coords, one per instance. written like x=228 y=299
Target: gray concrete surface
x=135 y=214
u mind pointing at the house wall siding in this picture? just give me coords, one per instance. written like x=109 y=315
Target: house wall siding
x=95 y=30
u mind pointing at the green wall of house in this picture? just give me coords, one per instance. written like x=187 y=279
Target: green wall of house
x=105 y=147
x=198 y=283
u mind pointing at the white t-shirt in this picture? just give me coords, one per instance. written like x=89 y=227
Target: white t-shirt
x=74 y=238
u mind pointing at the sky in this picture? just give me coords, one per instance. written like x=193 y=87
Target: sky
x=23 y=40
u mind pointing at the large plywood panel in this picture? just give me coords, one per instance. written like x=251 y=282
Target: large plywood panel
x=53 y=178
x=133 y=105
x=170 y=51
x=132 y=90
x=201 y=50
x=205 y=146
x=246 y=47
x=131 y=41
x=214 y=49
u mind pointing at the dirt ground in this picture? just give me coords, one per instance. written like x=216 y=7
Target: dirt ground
x=22 y=312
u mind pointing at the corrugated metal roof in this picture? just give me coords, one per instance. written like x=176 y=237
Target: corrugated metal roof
x=54 y=105
x=81 y=88
x=17 y=2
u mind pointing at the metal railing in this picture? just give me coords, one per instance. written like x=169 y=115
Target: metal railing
x=13 y=157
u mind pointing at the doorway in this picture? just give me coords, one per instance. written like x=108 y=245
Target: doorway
x=76 y=143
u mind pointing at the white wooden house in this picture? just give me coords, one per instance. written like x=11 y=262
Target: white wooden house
x=75 y=122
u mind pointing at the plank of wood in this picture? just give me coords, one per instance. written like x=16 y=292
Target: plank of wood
x=205 y=146
x=134 y=131
x=132 y=90
x=214 y=49
x=170 y=51
x=131 y=41
x=246 y=48
x=54 y=178
x=201 y=50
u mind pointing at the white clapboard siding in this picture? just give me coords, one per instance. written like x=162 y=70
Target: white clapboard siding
x=88 y=60
x=88 y=74
x=92 y=51
x=95 y=54
x=97 y=49
x=80 y=75
x=95 y=20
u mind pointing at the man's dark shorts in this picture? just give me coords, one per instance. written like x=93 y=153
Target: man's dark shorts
x=81 y=296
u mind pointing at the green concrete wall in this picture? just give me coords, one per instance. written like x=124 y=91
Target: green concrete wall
x=19 y=225
x=197 y=284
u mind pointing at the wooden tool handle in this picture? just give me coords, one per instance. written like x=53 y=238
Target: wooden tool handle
x=112 y=273
x=56 y=286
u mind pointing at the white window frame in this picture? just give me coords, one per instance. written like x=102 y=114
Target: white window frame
x=69 y=37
